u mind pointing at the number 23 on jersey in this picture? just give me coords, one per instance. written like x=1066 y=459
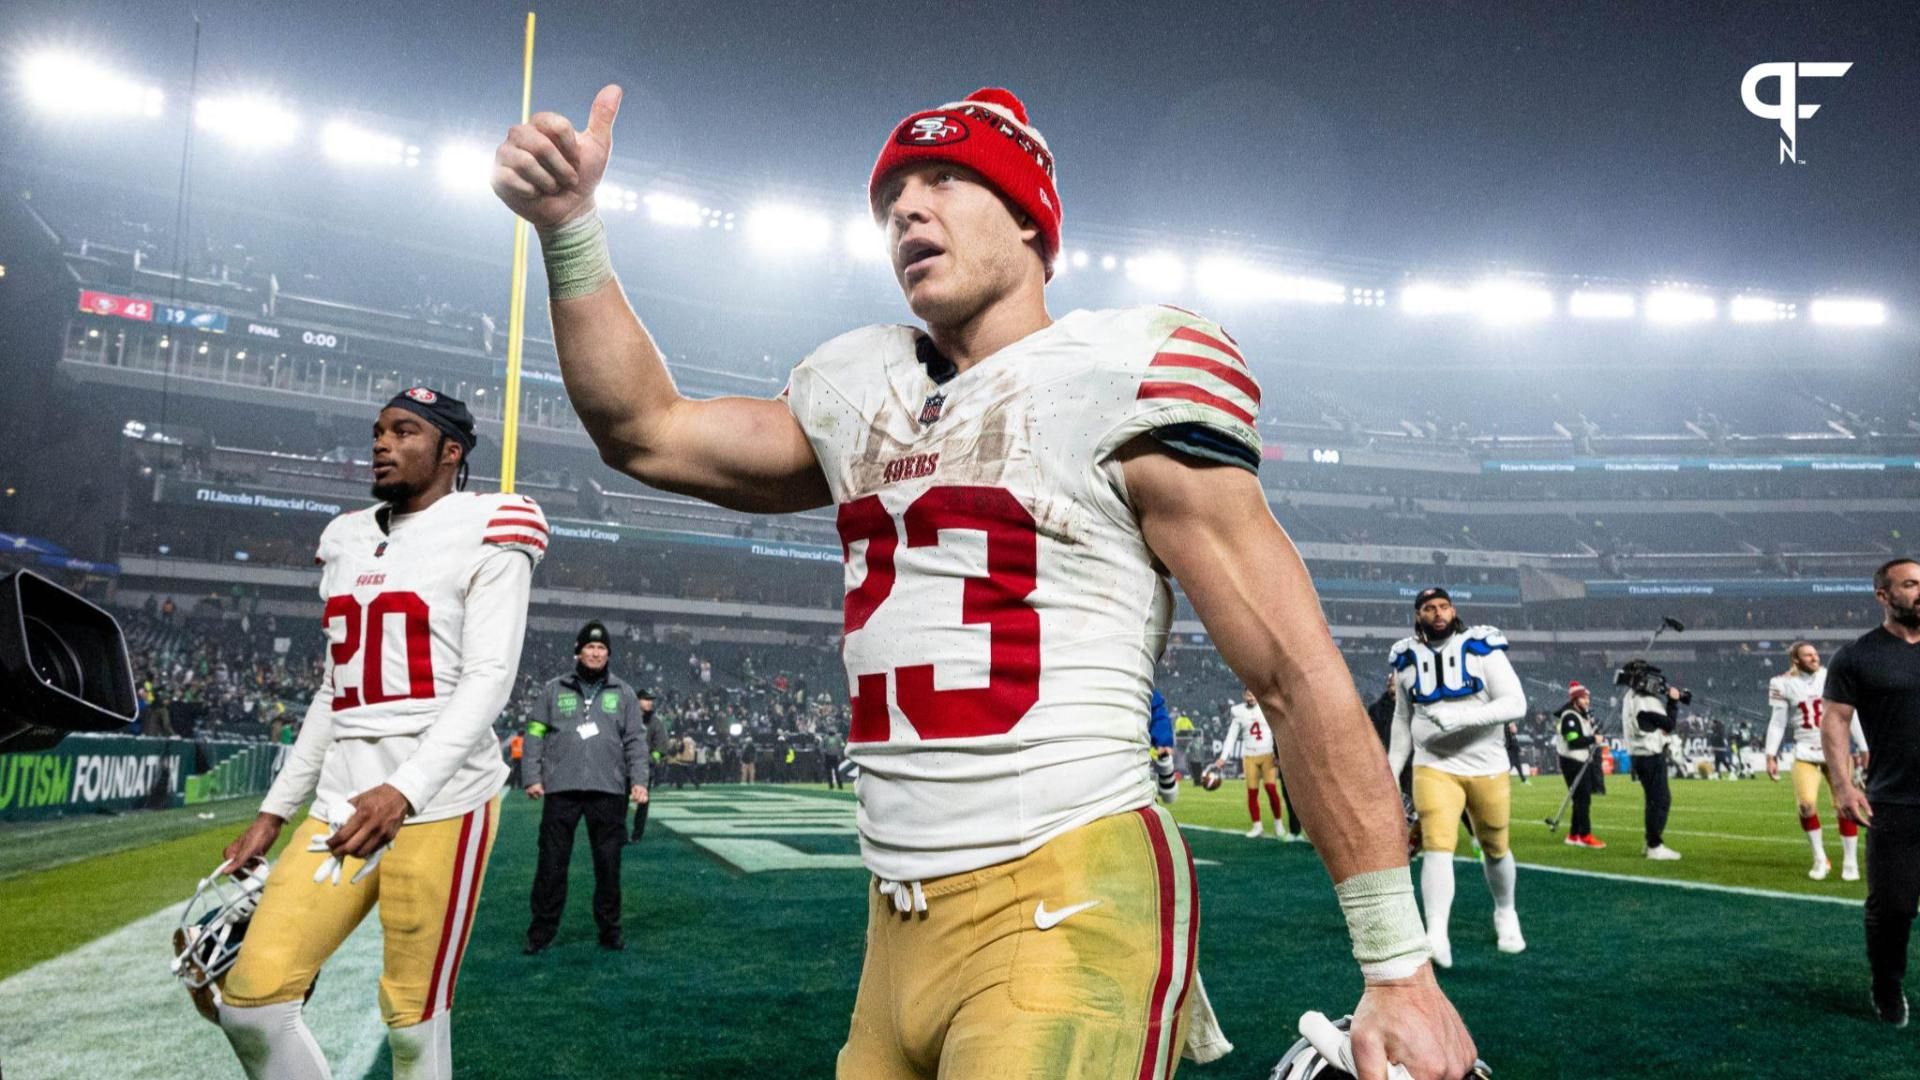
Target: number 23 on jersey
x=997 y=600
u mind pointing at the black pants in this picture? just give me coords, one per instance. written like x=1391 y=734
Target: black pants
x=1651 y=771
x=1294 y=826
x=1893 y=890
x=640 y=820
x=832 y=763
x=1582 y=793
x=560 y=815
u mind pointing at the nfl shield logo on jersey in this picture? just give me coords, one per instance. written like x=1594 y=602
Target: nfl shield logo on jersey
x=381 y=550
x=930 y=412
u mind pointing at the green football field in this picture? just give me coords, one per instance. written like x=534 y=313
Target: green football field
x=745 y=910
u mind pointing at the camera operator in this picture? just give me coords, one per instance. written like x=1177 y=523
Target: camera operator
x=1649 y=712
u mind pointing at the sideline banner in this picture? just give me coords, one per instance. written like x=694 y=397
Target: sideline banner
x=89 y=773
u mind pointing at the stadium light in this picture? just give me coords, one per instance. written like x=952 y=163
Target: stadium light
x=787 y=230
x=1427 y=298
x=672 y=210
x=1499 y=300
x=465 y=167
x=1157 y=270
x=251 y=121
x=1587 y=304
x=1108 y=262
x=351 y=144
x=1673 y=307
x=1079 y=259
x=1753 y=309
x=64 y=83
x=865 y=241
x=1837 y=311
x=1229 y=278
x=615 y=197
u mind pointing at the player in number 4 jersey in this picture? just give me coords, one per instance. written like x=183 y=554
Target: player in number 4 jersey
x=1012 y=493
x=1250 y=738
x=426 y=604
x=1795 y=701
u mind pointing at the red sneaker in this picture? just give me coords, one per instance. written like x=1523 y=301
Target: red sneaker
x=1593 y=841
x=1575 y=840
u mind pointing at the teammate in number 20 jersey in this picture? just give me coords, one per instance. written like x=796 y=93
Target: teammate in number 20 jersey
x=425 y=608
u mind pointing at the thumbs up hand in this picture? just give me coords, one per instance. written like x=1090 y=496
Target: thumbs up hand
x=546 y=171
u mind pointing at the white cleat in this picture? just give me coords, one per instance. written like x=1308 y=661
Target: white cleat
x=1820 y=870
x=1506 y=929
x=1663 y=853
x=1255 y=831
x=1849 y=872
x=1442 y=949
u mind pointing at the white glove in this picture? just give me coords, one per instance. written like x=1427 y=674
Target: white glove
x=332 y=865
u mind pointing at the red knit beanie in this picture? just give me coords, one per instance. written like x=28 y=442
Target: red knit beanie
x=988 y=133
x=1574 y=689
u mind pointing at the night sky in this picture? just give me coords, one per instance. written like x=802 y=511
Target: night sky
x=1605 y=139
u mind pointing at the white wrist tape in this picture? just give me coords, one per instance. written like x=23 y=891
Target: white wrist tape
x=576 y=257
x=1389 y=939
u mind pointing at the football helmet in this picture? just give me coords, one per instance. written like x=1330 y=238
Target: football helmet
x=1325 y=1052
x=211 y=930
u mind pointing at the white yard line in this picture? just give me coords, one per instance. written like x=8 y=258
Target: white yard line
x=110 y=1008
x=1696 y=886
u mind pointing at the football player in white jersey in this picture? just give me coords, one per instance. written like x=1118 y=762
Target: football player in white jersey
x=426 y=604
x=1795 y=701
x=1456 y=693
x=1251 y=738
x=1012 y=493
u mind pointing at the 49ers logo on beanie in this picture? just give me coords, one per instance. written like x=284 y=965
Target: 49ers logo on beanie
x=988 y=132
x=932 y=131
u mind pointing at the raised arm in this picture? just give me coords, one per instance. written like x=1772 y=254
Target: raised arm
x=1211 y=527
x=742 y=453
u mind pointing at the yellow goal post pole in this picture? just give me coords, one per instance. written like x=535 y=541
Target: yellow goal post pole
x=517 y=311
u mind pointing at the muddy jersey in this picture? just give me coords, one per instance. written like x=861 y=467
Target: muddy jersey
x=1003 y=611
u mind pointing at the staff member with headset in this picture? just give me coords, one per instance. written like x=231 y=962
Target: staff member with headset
x=586 y=757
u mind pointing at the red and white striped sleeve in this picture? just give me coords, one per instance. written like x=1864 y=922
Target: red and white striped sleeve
x=516 y=523
x=1195 y=393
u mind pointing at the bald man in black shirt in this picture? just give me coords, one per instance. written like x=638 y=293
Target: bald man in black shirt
x=1877 y=677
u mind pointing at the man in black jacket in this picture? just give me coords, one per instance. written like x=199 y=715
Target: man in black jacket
x=587 y=757
x=1578 y=749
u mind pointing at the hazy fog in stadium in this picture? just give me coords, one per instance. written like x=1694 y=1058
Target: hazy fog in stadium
x=1371 y=149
